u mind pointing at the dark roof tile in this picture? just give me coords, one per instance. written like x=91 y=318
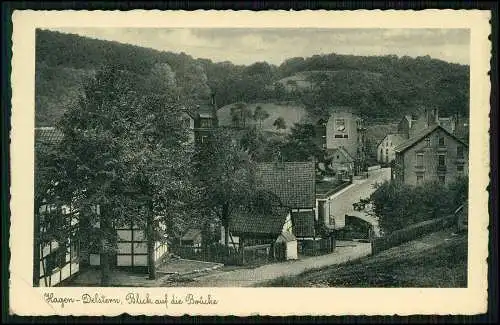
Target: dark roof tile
x=292 y=182
x=245 y=222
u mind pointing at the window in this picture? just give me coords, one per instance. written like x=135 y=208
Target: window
x=206 y=123
x=386 y=152
x=441 y=160
x=420 y=178
x=441 y=179
x=460 y=168
x=338 y=157
x=460 y=152
x=345 y=136
x=427 y=142
x=420 y=159
x=441 y=141
x=203 y=138
x=340 y=125
x=338 y=136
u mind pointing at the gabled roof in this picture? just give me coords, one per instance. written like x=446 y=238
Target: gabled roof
x=331 y=152
x=191 y=234
x=258 y=224
x=292 y=182
x=396 y=139
x=421 y=135
x=47 y=135
x=286 y=237
x=303 y=223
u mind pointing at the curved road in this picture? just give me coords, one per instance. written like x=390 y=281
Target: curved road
x=341 y=202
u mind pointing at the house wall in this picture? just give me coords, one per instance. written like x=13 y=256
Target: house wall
x=351 y=131
x=385 y=150
x=59 y=261
x=429 y=168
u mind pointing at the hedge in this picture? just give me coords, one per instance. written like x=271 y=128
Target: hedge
x=412 y=232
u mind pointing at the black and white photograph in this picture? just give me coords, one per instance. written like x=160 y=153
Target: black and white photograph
x=297 y=157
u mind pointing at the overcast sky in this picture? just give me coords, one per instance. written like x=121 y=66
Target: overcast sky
x=246 y=46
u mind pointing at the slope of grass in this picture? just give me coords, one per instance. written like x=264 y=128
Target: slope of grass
x=437 y=260
x=291 y=112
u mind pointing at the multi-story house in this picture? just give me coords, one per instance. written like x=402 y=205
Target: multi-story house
x=434 y=154
x=385 y=149
x=345 y=129
x=201 y=120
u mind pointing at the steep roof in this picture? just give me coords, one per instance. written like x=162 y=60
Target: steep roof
x=292 y=182
x=47 y=135
x=257 y=223
x=396 y=139
x=286 y=237
x=331 y=152
x=421 y=135
x=303 y=223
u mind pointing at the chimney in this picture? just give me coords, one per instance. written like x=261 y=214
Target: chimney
x=436 y=115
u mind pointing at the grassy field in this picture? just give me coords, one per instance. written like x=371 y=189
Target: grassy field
x=436 y=260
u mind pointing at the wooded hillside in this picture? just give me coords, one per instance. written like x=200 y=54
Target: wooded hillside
x=376 y=87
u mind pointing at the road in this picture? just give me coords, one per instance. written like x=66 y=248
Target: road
x=344 y=252
x=341 y=202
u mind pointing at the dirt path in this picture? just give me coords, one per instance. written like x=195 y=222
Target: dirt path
x=252 y=277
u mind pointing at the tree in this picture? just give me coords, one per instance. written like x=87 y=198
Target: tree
x=240 y=114
x=122 y=153
x=279 y=123
x=301 y=144
x=225 y=175
x=399 y=205
x=260 y=115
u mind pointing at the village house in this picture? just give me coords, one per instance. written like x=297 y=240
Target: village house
x=345 y=129
x=200 y=119
x=62 y=259
x=434 y=154
x=385 y=149
x=341 y=162
x=429 y=118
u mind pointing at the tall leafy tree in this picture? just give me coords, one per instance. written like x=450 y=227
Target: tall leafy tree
x=225 y=173
x=260 y=115
x=123 y=152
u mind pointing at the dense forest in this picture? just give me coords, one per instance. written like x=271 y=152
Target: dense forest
x=377 y=87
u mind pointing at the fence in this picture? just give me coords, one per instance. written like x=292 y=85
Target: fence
x=220 y=254
x=410 y=233
x=317 y=247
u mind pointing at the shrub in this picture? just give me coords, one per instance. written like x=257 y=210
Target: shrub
x=400 y=205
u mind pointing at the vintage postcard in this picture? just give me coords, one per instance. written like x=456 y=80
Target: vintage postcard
x=249 y=163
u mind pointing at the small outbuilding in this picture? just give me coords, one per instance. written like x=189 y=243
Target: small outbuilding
x=193 y=238
x=286 y=247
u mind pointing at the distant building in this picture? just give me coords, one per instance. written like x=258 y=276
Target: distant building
x=434 y=154
x=385 y=149
x=341 y=162
x=429 y=118
x=405 y=125
x=201 y=119
x=346 y=130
